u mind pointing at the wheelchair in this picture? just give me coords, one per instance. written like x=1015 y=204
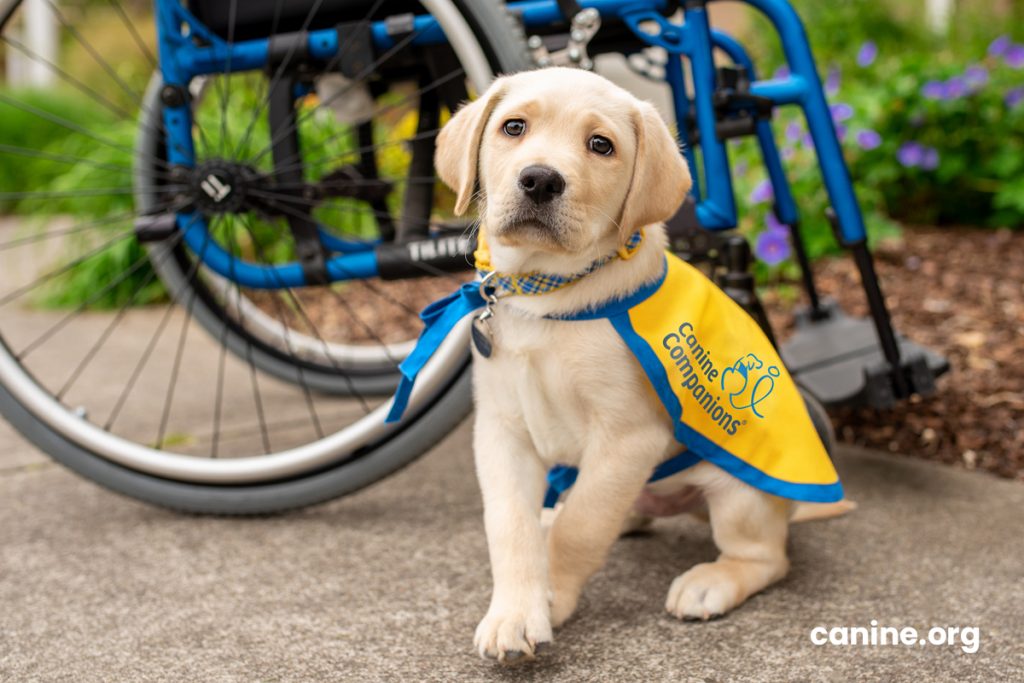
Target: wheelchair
x=270 y=163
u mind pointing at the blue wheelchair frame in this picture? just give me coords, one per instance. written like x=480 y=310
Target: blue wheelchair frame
x=181 y=60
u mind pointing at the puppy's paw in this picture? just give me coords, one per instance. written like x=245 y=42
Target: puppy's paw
x=705 y=591
x=563 y=604
x=511 y=634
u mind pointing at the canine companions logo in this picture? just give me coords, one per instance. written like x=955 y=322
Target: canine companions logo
x=746 y=386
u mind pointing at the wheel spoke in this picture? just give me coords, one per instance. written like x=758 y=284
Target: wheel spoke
x=312 y=327
x=335 y=159
x=150 y=346
x=176 y=367
x=103 y=64
x=88 y=91
x=68 y=78
x=70 y=125
x=76 y=229
x=11 y=296
x=285 y=203
x=87 y=192
x=278 y=73
x=115 y=322
x=93 y=298
x=429 y=87
x=226 y=79
x=71 y=160
x=303 y=383
x=130 y=25
x=257 y=398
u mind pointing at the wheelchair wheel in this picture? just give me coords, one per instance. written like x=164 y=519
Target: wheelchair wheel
x=822 y=422
x=227 y=398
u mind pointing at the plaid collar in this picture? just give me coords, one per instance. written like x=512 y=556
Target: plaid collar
x=533 y=284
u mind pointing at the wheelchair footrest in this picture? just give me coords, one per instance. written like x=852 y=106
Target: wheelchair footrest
x=838 y=359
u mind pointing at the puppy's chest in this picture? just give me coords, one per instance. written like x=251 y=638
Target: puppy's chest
x=567 y=381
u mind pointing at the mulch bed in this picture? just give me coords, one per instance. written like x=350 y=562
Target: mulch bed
x=959 y=292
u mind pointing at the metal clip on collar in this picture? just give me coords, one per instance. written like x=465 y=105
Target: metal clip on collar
x=488 y=295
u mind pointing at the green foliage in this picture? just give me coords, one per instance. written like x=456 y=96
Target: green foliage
x=25 y=129
x=977 y=137
x=119 y=274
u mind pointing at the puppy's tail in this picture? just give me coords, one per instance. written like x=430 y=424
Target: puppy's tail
x=806 y=512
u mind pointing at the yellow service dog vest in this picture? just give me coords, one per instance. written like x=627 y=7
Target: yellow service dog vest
x=723 y=384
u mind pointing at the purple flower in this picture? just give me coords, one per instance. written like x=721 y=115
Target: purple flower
x=956 y=87
x=841 y=131
x=976 y=76
x=772 y=247
x=933 y=90
x=1014 y=56
x=808 y=141
x=832 y=81
x=841 y=111
x=788 y=153
x=1013 y=98
x=915 y=155
x=910 y=154
x=781 y=72
x=867 y=54
x=868 y=139
x=997 y=48
x=794 y=131
x=774 y=225
x=930 y=159
x=762 y=193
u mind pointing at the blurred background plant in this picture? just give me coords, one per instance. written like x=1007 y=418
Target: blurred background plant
x=932 y=124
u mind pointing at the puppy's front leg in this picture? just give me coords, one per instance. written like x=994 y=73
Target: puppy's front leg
x=512 y=482
x=592 y=518
x=750 y=528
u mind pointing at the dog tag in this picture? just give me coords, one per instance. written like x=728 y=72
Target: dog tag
x=483 y=338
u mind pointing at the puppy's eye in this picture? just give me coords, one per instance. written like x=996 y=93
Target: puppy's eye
x=514 y=127
x=600 y=145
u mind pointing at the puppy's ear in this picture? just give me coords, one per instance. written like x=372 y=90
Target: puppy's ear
x=458 y=144
x=661 y=177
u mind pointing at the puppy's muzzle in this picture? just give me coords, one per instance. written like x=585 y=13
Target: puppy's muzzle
x=541 y=184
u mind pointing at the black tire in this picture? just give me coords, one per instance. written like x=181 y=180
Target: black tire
x=822 y=422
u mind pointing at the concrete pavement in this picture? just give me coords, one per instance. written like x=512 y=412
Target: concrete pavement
x=388 y=584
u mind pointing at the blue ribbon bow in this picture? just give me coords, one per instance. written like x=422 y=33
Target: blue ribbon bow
x=439 y=319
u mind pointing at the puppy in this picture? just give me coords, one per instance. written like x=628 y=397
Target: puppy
x=569 y=166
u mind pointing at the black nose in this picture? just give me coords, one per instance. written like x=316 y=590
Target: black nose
x=541 y=183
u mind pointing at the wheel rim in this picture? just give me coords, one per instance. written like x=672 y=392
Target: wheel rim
x=47 y=406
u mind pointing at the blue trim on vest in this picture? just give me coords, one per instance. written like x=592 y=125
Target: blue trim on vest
x=439 y=319
x=562 y=477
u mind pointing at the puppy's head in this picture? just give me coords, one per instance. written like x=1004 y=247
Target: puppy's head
x=568 y=163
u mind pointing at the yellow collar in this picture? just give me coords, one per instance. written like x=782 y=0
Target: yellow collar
x=534 y=282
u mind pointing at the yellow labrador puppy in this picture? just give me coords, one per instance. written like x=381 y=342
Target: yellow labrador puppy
x=569 y=166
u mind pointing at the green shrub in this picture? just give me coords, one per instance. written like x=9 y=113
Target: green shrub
x=24 y=131
x=932 y=129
